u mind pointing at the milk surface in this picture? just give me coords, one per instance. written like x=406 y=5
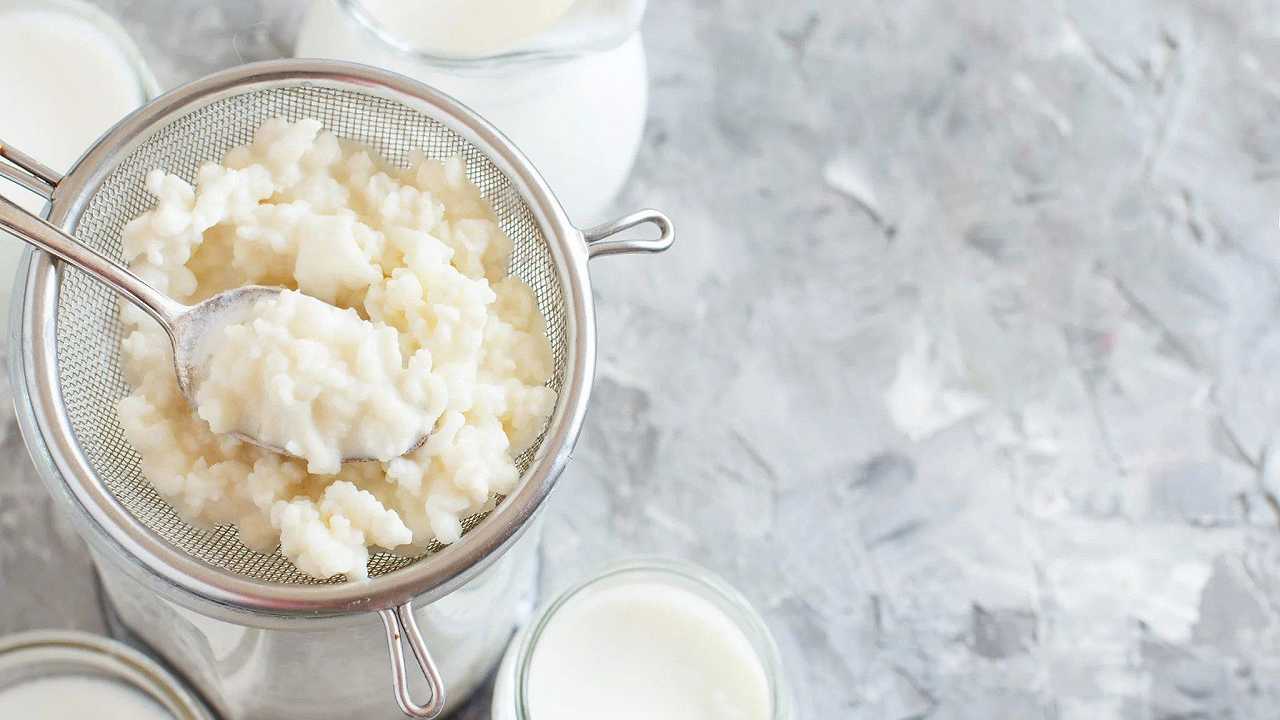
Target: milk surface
x=643 y=650
x=465 y=27
x=68 y=697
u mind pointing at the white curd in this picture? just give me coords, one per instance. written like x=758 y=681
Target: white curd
x=62 y=697
x=318 y=381
x=436 y=335
x=67 y=76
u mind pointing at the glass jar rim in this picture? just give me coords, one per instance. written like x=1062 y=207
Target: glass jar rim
x=42 y=654
x=355 y=9
x=708 y=585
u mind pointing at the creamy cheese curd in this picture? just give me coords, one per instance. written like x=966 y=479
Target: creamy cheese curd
x=320 y=382
x=417 y=257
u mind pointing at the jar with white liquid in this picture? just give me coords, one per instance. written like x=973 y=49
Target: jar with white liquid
x=69 y=72
x=647 y=639
x=564 y=79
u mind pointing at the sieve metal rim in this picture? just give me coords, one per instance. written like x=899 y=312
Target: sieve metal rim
x=422 y=581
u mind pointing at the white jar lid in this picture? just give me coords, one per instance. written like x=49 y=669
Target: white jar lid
x=52 y=669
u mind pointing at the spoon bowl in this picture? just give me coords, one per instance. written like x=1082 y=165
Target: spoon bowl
x=191 y=329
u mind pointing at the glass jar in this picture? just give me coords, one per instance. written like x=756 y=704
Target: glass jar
x=511 y=697
x=253 y=665
x=571 y=96
x=69 y=72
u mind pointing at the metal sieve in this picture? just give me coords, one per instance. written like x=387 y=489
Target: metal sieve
x=69 y=359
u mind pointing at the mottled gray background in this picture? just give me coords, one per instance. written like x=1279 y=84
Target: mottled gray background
x=962 y=368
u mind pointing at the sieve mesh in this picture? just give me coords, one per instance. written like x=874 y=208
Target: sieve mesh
x=89 y=329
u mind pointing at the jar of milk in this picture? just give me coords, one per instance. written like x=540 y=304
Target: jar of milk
x=649 y=638
x=69 y=72
x=564 y=79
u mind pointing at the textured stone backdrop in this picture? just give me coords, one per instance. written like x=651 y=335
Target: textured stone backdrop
x=962 y=368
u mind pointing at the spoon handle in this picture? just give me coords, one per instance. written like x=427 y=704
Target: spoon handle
x=115 y=276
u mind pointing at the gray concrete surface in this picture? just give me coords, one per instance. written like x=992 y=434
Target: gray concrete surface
x=963 y=368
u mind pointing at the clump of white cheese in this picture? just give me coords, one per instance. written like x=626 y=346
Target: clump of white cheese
x=433 y=334
x=319 y=382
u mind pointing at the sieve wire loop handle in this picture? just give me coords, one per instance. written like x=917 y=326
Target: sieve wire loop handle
x=600 y=239
x=401 y=623
x=28 y=172
x=61 y=245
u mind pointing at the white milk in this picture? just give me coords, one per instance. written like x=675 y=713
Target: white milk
x=62 y=697
x=466 y=27
x=579 y=119
x=635 y=650
x=65 y=79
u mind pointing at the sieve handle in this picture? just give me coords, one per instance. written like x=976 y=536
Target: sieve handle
x=600 y=242
x=400 y=623
x=28 y=172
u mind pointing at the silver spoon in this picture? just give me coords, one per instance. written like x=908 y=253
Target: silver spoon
x=188 y=326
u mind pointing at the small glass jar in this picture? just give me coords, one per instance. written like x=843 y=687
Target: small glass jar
x=572 y=97
x=511 y=697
